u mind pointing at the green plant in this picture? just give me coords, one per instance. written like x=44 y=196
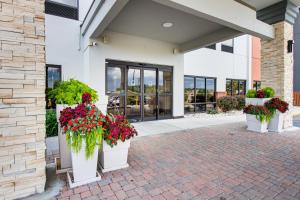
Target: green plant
x=212 y=111
x=277 y=104
x=251 y=93
x=227 y=103
x=240 y=102
x=269 y=92
x=262 y=113
x=70 y=92
x=51 y=123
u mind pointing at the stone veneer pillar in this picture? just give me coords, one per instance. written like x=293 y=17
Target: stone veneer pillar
x=22 y=98
x=277 y=65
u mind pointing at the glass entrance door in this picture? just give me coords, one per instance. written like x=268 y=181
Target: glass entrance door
x=134 y=94
x=149 y=94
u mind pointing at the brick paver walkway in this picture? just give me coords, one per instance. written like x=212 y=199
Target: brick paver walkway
x=221 y=162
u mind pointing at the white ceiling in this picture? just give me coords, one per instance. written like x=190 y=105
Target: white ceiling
x=260 y=4
x=141 y=17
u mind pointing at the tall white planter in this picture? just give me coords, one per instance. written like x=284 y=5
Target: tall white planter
x=255 y=125
x=64 y=151
x=114 y=158
x=84 y=170
x=276 y=123
x=257 y=101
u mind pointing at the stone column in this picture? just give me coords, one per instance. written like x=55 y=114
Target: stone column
x=277 y=64
x=22 y=98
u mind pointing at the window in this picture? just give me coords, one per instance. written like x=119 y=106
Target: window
x=227 y=46
x=53 y=75
x=213 y=46
x=199 y=93
x=257 y=85
x=235 y=87
x=62 y=8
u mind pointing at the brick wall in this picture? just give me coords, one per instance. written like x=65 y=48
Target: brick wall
x=277 y=65
x=22 y=98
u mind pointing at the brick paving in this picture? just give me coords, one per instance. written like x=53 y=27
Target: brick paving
x=220 y=162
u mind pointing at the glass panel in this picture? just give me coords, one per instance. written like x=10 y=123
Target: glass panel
x=149 y=106
x=189 y=90
x=133 y=108
x=242 y=87
x=150 y=81
x=165 y=82
x=116 y=105
x=200 y=90
x=235 y=87
x=258 y=85
x=210 y=88
x=115 y=80
x=228 y=87
x=200 y=107
x=53 y=76
x=134 y=82
x=165 y=106
x=188 y=108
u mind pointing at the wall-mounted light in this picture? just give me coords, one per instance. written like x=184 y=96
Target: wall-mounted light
x=290 y=46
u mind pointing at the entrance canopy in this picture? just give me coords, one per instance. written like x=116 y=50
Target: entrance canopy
x=189 y=24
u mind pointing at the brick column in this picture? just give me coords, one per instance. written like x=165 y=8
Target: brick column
x=278 y=66
x=22 y=98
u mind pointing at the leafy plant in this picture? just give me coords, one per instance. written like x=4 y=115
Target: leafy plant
x=262 y=113
x=240 y=102
x=260 y=94
x=251 y=93
x=227 y=103
x=277 y=104
x=51 y=123
x=70 y=92
x=212 y=111
x=85 y=122
x=269 y=92
x=116 y=128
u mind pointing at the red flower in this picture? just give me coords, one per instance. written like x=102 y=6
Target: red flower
x=70 y=123
x=86 y=98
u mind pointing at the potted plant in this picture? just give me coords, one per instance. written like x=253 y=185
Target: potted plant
x=68 y=94
x=83 y=128
x=258 y=118
x=259 y=97
x=277 y=107
x=117 y=135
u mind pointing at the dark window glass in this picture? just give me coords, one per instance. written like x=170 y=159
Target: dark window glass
x=227 y=46
x=213 y=46
x=165 y=82
x=229 y=87
x=165 y=105
x=134 y=81
x=150 y=106
x=235 y=87
x=210 y=90
x=116 y=104
x=189 y=90
x=62 y=10
x=53 y=75
x=115 y=80
x=242 y=88
x=200 y=90
x=150 y=81
x=133 y=108
x=257 y=85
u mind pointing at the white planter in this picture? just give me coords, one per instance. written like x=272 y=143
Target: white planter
x=114 y=158
x=84 y=169
x=276 y=123
x=255 y=125
x=257 y=101
x=64 y=151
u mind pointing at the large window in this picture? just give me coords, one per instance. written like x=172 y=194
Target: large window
x=235 y=87
x=199 y=93
x=53 y=75
x=227 y=46
x=257 y=85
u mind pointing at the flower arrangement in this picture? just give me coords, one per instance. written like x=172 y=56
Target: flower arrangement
x=262 y=113
x=260 y=94
x=84 y=122
x=266 y=92
x=277 y=104
x=117 y=127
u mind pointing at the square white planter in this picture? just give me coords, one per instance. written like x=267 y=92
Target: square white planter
x=84 y=170
x=255 y=125
x=276 y=123
x=257 y=101
x=114 y=158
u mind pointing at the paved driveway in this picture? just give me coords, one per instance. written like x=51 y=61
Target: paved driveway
x=205 y=163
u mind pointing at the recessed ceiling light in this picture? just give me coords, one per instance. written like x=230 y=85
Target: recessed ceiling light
x=167 y=24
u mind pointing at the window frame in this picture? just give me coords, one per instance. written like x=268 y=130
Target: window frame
x=53 y=66
x=255 y=85
x=239 y=89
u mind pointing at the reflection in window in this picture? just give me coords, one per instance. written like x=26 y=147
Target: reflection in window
x=257 y=85
x=53 y=75
x=150 y=81
x=204 y=89
x=115 y=80
x=134 y=81
x=165 y=82
x=235 y=87
x=165 y=105
x=116 y=104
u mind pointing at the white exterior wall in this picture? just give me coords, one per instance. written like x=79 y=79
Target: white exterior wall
x=221 y=65
x=135 y=49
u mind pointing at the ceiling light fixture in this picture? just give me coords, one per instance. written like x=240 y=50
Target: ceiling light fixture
x=167 y=24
